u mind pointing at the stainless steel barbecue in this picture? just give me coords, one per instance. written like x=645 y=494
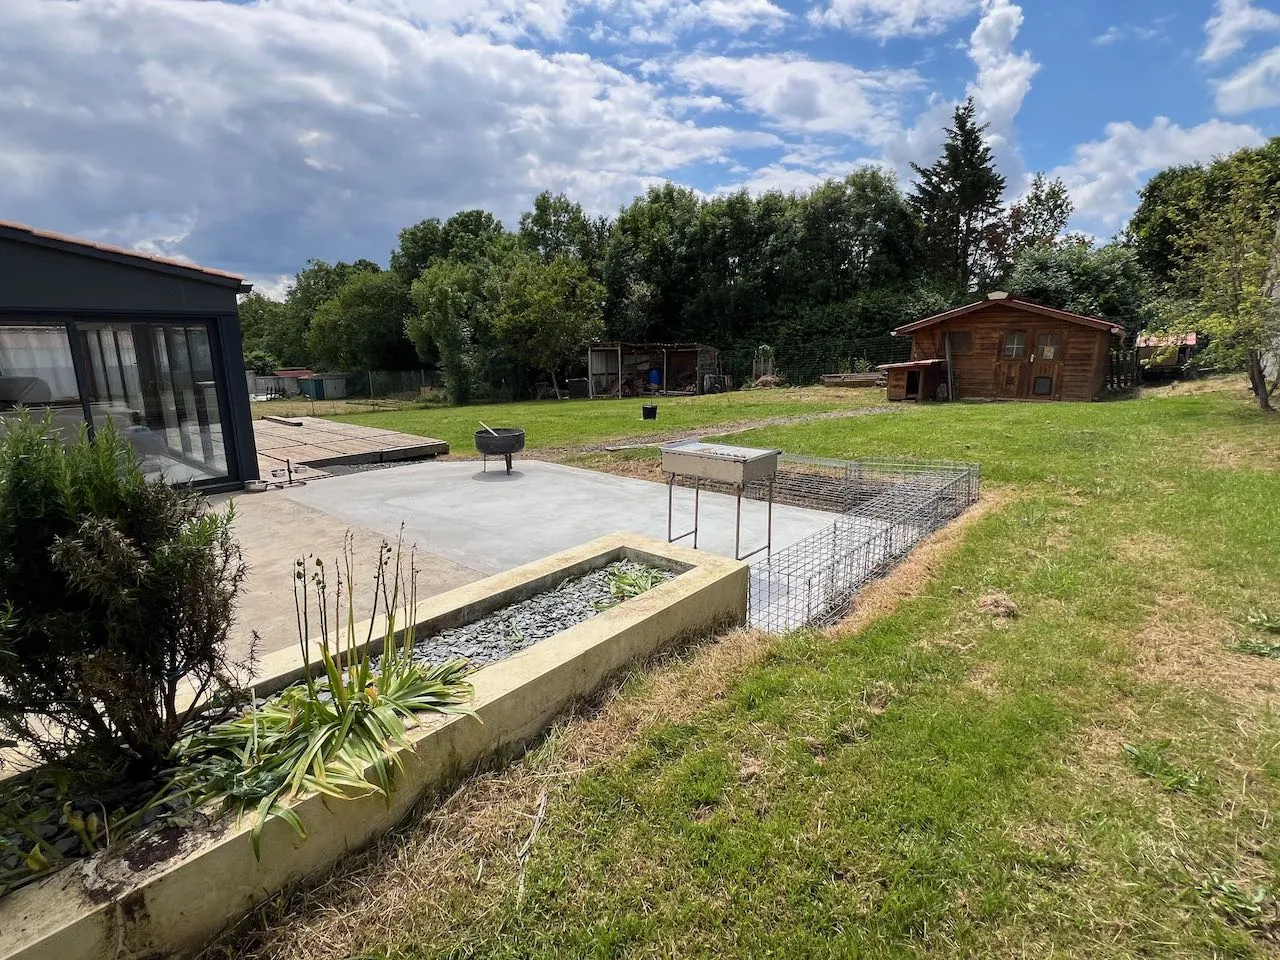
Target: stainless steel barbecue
x=719 y=463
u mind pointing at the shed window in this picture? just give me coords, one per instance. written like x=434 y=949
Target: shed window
x=1015 y=346
x=1042 y=386
x=1048 y=346
x=961 y=342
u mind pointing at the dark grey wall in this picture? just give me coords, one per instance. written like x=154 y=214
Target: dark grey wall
x=58 y=284
x=34 y=277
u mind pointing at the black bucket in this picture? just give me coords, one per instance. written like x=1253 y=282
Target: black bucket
x=649 y=411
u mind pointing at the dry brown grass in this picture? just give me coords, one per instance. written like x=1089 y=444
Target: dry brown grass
x=1182 y=646
x=471 y=841
x=468 y=846
x=998 y=605
x=638 y=468
x=1232 y=384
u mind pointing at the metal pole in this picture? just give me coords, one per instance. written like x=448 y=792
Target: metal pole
x=737 y=528
x=671 y=480
x=769 y=535
x=664 y=370
x=697 y=489
x=619 y=371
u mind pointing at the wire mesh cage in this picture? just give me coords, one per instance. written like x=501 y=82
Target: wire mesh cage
x=883 y=509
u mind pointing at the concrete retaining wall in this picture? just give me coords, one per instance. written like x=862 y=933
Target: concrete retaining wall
x=166 y=894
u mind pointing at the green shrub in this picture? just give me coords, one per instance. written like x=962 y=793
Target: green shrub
x=116 y=596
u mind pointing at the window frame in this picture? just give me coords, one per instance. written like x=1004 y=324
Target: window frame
x=961 y=342
x=1035 y=382
x=1056 y=345
x=1021 y=349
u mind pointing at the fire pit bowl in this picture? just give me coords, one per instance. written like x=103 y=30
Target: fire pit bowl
x=500 y=441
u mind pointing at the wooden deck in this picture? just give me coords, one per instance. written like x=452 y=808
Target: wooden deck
x=317 y=443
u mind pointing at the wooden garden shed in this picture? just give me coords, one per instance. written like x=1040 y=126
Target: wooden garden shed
x=1003 y=347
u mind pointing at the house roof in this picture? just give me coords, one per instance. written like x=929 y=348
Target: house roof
x=21 y=232
x=1004 y=300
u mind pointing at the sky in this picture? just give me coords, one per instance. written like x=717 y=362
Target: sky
x=251 y=136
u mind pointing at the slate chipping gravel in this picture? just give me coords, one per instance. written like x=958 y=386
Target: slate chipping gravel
x=504 y=632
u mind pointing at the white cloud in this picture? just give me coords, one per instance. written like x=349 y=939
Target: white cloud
x=810 y=96
x=1255 y=86
x=1108 y=36
x=1231 y=24
x=1115 y=33
x=254 y=136
x=1004 y=77
x=661 y=21
x=1105 y=175
x=273 y=286
x=892 y=18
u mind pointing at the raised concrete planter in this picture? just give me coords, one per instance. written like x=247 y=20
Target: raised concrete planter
x=166 y=894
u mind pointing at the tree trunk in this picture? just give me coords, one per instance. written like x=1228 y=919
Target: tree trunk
x=554 y=384
x=1258 y=381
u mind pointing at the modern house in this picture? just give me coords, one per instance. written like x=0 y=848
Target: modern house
x=91 y=334
x=1003 y=347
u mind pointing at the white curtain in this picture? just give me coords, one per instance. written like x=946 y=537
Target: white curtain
x=41 y=352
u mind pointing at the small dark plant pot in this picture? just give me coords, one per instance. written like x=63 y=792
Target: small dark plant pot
x=649 y=411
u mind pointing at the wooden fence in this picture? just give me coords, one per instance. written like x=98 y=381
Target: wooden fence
x=1124 y=371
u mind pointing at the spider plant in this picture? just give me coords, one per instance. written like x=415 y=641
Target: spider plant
x=335 y=733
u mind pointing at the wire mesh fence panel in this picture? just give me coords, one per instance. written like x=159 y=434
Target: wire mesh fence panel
x=893 y=505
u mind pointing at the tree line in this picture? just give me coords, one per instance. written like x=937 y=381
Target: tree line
x=496 y=310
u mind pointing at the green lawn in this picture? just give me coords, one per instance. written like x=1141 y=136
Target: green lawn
x=1096 y=776
x=568 y=423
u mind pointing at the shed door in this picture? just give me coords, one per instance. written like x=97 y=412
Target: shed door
x=1045 y=380
x=1011 y=372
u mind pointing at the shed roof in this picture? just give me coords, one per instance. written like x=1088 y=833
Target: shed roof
x=912 y=364
x=21 y=232
x=628 y=345
x=1004 y=300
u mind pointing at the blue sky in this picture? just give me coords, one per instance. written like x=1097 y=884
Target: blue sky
x=250 y=136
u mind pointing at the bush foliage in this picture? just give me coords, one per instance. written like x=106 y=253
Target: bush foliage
x=116 y=597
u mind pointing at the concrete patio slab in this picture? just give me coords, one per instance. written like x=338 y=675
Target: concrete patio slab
x=492 y=522
x=274 y=532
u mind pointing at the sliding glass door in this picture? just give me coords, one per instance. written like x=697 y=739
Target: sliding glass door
x=156 y=383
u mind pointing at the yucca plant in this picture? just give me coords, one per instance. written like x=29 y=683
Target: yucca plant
x=337 y=733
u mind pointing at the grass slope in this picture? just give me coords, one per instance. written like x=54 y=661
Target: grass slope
x=1098 y=775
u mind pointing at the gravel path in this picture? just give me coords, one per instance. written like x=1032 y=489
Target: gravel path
x=513 y=628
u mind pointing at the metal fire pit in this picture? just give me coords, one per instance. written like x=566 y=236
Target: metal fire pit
x=500 y=441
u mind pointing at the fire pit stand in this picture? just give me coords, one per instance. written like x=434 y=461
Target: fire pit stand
x=499 y=441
